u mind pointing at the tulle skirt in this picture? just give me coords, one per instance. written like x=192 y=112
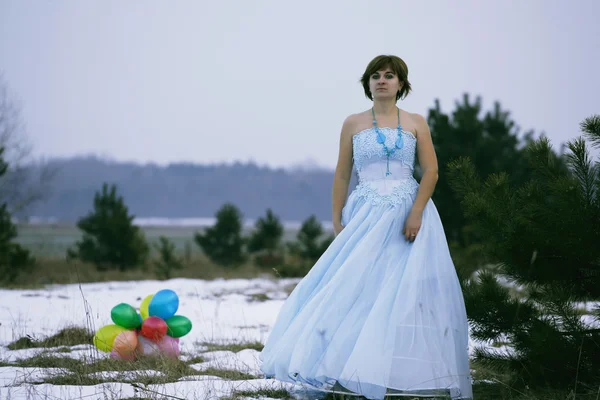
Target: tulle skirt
x=376 y=315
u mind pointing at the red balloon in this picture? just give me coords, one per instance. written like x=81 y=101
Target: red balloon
x=154 y=328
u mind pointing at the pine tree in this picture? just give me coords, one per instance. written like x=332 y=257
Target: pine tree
x=110 y=239
x=543 y=237
x=493 y=143
x=223 y=242
x=14 y=259
x=265 y=241
x=310 y=243
x=168 y=262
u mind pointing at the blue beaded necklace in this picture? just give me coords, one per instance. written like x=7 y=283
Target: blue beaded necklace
x=381 y=140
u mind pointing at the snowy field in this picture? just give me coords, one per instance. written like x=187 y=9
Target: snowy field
x=222 y=311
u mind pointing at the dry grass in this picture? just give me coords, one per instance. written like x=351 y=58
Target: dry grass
x=258 y=297
x=59 y=271
x=482 y=373
x=498 y=391
x=80 y=372
x=271 y=393
x=195 y=360
x=91 y=370
x=138 y=398
x=494 y=386
x=49 y=244
x=71 y=336
x=47 y=360
x=233 y=347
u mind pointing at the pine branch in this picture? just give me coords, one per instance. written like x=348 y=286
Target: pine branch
x=494 y=360
x=591 y=128
x=491 y=310
x=462 y=176
x=558 y=303
x=496 y=187
x=585 y=172
x=542 y=160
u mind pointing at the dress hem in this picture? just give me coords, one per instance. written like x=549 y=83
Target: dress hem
x=331 y=385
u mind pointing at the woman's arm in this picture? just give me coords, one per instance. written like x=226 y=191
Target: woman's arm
x=343 y=174
x=428 y=163
x=429 y=166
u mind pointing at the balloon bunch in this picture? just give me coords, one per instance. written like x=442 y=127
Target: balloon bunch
x=155 y=330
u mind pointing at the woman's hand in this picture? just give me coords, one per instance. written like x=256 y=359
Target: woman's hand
x=337 y=228
x=412 y=225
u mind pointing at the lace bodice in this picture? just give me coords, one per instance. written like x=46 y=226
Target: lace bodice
x=370 y=162
x=366 y=150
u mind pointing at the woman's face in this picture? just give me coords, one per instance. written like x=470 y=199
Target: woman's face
x=384 y=84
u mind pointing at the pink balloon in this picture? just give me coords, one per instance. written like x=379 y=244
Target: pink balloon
x=147 y=347
x=115 y=356
x=169 y=346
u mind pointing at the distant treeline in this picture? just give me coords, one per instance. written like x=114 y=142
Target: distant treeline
x=187 y=190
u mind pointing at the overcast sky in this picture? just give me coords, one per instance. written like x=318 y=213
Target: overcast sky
x=272 y=81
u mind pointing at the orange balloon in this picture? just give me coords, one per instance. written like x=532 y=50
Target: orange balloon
x=125 y=344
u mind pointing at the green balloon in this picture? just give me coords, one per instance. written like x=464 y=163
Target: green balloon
x=178 y=326
x=126 y=316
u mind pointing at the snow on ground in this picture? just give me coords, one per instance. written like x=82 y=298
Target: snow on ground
x=16 y=375
x=244 y=361
x=200 y=390
x=222 y=311
x=81 y=352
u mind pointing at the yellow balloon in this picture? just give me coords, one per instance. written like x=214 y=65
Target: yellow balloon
x=105 y=337
x=144 y=306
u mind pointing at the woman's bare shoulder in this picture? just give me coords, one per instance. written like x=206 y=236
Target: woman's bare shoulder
x=415 y=118
x=355 y=123
x=414 y=123
x=357 y=118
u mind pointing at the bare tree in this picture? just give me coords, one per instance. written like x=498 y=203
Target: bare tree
x=27 y=180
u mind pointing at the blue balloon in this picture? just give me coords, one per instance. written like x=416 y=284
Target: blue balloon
x=164 y=304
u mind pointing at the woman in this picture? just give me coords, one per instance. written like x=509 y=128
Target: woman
x=381 y=312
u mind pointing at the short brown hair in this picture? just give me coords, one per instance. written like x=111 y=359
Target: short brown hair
x=394 y=63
